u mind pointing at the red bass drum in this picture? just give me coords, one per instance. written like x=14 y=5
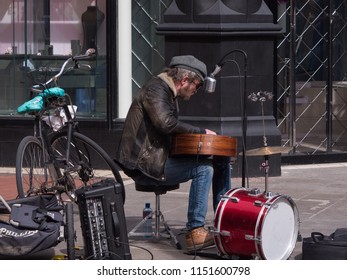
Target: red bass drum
x=251 y=224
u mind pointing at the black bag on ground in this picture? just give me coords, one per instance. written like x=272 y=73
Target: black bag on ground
x=34 y=225
x=16 y=241
x=322 y=247
x=44 y=201
x=33 y=217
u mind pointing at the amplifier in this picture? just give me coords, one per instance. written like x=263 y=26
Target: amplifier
x=103 y=221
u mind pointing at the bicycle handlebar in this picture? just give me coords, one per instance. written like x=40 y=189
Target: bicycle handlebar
x=89 y=53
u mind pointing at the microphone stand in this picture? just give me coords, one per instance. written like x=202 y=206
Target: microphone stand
x=219 y=66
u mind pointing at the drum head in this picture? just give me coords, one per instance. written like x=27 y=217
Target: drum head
x=280 y=229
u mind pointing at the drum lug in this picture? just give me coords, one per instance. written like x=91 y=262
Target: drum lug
x=222 y=233
x=254 y=192
x=225 y=233
x=251 y=237
x=234 y=199
x=258 y=203
x=231 y=198
x=270 y=194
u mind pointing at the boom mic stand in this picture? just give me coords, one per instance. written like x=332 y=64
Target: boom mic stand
x=212 y=82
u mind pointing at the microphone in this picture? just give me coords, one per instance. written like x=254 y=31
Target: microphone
x=210 y=82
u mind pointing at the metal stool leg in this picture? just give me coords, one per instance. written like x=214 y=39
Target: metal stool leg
x=159 y=218
x=169 y=231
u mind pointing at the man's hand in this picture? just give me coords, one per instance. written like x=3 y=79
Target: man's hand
x=210 y=132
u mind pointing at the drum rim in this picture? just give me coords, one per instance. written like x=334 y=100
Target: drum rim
x=222 y=203
x=291 y=245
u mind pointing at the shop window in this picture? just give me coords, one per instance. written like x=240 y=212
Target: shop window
x=38 y=36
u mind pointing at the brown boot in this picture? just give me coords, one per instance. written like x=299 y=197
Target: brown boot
x=198 y=238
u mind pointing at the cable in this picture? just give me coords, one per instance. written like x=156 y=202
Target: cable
x=132 y=245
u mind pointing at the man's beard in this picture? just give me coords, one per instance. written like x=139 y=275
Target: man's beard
x=184 y=94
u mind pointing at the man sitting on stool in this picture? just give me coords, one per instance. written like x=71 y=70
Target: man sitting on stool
x=144 y=149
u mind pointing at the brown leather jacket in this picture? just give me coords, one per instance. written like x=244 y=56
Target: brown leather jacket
x=146 y=137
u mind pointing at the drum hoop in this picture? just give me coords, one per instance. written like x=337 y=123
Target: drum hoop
x=221 y=211
x=257 y=231
x=297 y=226
x=268 y=204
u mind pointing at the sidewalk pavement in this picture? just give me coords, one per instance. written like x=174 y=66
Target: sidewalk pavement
x=319 y=192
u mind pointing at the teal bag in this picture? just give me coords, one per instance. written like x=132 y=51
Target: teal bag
x=56 y=91
x=36 y=103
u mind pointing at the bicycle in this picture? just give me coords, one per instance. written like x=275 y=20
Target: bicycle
x=58 y=158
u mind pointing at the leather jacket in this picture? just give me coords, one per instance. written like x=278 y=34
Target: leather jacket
x=150 y=122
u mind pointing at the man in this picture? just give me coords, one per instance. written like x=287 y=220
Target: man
x=144 y=149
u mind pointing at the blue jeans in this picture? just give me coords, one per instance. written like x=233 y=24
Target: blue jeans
x=221 y=179
x=202 y=172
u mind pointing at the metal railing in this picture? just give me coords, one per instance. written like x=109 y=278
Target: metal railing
x=311 y=76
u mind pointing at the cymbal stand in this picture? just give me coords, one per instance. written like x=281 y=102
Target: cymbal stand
x=265 y=166
x=262 y=97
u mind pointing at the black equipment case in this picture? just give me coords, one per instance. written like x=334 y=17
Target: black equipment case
x=321 y=247
x=34 y=225
x=103 y=221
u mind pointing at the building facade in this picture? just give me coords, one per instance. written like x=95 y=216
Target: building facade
x=39 y=35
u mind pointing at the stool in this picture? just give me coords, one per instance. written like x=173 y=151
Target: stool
x=158 y=215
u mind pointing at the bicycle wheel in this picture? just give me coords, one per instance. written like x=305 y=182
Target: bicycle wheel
x=31 y=172
x=69 y=231
x=88 y=163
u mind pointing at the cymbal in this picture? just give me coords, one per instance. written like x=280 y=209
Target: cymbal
x=265 y=151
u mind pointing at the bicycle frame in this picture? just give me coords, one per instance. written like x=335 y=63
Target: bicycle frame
x=52 y=165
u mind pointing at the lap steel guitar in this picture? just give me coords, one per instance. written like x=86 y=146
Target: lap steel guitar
x=204 y=144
